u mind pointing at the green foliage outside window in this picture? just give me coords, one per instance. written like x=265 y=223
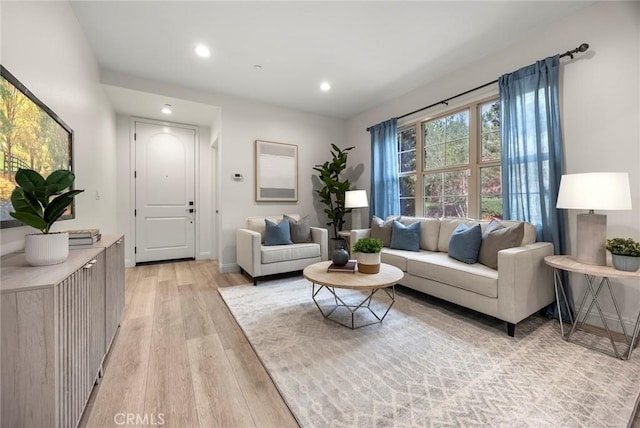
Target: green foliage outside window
x=446 y=165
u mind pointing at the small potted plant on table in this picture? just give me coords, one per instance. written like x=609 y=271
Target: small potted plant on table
x=625 y=253
x=39 y=203
x=368 y=254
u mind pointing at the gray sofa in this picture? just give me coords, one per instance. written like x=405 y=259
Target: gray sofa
x=260 y=260
x=521 y=285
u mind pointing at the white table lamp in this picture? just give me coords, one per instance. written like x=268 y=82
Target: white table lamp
x=356 y=199
x=594 y=191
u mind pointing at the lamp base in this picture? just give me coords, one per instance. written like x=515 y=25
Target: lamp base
x=591 y=239
x=356 y=218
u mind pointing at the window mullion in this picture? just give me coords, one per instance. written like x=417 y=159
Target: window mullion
x=419 y=191
x=474 y=161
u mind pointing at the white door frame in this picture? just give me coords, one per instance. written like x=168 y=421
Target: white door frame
x=132 y=180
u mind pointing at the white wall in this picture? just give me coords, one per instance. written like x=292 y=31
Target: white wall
x=45 y=48
x=240 y=124
x=600 y=108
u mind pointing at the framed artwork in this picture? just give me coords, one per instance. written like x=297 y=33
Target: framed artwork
x=32 y=137
x=276 y=172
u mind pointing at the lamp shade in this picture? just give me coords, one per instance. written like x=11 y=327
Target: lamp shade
x=355 y=199
x=595 y=191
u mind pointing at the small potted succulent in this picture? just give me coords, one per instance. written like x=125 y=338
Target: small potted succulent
x=39 y=203
x=625 y=253
x=368 y=254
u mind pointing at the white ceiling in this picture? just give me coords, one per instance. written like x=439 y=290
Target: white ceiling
x=369 y=51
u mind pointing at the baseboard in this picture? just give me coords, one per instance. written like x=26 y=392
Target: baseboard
x=229 y=267
x=612 y=321
x=128 y=263
x=205 y=255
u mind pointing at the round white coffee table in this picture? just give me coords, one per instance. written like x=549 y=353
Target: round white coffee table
x=369 y=283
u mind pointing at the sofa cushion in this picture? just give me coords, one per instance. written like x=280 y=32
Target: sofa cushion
x=300 y=229
x=529 y=234
x=285 y=253
x=277 y=233
x=498 y=237
x=381 y=229
x=440 y=267
x=397 y=258
x=405 y=237
x=447 y=226
x=429 y=231
x=464 y=244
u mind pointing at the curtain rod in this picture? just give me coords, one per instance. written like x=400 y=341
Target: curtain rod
x=582 y=48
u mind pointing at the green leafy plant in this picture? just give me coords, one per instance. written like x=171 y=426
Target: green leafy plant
x=39 y=202
x=332 y=192
x=368 y=245
x=623 y=247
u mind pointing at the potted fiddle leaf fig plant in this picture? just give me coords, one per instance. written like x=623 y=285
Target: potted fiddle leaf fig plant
x=39 y=203
x=368 y=254
x=625 y=253
x=333 y=188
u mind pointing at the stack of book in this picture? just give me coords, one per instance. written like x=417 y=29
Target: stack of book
x=84 y=237
x=350 y=267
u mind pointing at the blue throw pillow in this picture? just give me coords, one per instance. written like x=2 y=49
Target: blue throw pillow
x=405 y=237
x=277 y=234
x=465 y=242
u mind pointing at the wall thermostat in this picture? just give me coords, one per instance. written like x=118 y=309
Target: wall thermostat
x=237 y=176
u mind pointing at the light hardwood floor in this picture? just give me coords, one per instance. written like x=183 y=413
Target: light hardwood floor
x=180 y=359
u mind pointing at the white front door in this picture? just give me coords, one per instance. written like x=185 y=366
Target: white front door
x=164 y=182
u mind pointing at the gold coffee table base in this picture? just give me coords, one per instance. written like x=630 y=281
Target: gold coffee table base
x=353 y=308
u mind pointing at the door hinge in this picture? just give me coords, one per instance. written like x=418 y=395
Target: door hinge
x=135 y=174
x=135 y=136
x=135 y=213
x=135 y=250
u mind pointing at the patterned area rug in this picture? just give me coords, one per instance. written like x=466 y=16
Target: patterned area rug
x=428 y=364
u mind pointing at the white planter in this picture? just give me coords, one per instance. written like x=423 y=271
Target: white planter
x=368 y=262
x=45 y=249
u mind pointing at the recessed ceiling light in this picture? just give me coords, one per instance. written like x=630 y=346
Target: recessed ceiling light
x=166 y=109
x=203 y=51
x=325 y=86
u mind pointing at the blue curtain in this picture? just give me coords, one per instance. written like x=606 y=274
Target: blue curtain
x=385 y=185
x=532 y=153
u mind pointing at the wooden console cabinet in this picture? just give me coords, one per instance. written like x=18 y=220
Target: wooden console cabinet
x=58 y=323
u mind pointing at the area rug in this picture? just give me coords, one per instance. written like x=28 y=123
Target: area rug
x=428 y=364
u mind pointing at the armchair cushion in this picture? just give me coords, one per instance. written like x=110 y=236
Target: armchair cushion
x=286 y=253
x=300 y=229
x=277 y=234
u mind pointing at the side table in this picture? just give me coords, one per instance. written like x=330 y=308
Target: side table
x=593 y=291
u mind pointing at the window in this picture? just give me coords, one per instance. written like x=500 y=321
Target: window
x=450 y=165
x=407 y=169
